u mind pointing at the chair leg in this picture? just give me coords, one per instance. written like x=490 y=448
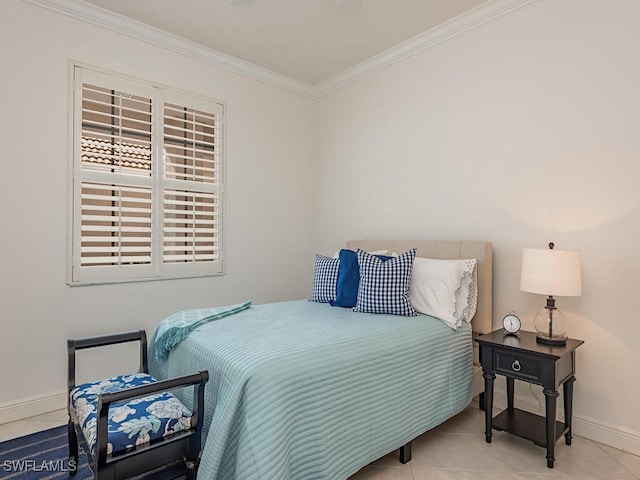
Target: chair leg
x=192 y=459
x=192 y=469
x=73 y=448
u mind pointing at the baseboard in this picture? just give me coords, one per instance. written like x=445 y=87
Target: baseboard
x=31 y=406
x=587 y=427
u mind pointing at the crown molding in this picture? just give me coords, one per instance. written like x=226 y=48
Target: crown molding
x=480 y=15
x=141 y=31
x=464 y=22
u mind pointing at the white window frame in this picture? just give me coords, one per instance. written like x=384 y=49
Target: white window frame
x=158 y=182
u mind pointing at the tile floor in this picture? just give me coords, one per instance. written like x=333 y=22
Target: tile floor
x=457 y=450
x=32 y=424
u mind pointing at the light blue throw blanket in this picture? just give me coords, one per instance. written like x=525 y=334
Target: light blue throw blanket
x=175 y=328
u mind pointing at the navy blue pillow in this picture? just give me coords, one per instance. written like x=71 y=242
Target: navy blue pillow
x=349 y=278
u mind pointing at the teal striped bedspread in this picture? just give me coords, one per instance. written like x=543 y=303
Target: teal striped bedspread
x=302 y=390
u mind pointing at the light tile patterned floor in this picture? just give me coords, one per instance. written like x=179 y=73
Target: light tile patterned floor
x=457 y=450
x=32 y=424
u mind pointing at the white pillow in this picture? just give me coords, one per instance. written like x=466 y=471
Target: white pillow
x=444 y=289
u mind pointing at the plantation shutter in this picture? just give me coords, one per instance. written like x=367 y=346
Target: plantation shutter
x=191 y=180
x=146 y=181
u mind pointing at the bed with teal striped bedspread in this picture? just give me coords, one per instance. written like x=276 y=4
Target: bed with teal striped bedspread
x=302 y=390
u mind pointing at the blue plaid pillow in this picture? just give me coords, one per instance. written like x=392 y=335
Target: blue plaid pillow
x=325 y=277
x=384 y=286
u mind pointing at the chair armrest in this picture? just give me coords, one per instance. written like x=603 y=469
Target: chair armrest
x=101 y=341
x=198 y=380
x=106 y=399
x=111 y=339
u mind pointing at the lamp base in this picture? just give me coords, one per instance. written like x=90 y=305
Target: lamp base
x=551 y=325
x=546 y=340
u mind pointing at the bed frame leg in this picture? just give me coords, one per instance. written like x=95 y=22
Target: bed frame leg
x=405 y=453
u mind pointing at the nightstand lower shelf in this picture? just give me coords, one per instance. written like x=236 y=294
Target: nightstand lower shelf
x=526 y=425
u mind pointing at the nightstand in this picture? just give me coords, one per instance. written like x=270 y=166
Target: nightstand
x=522 y=358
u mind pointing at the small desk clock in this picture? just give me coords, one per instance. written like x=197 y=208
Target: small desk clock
x=511 y=324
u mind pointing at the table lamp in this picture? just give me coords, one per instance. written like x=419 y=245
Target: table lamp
x=553 y=273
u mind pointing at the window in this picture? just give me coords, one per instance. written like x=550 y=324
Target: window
x=147 y=182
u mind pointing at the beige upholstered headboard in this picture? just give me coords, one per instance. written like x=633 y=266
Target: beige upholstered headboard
x=482 y=251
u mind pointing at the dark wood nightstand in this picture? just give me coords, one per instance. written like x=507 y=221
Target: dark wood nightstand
x=522 y=358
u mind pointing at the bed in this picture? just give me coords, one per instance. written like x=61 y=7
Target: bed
x=303 y=390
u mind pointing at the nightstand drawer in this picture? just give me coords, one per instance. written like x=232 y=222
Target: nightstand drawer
x=518 y=367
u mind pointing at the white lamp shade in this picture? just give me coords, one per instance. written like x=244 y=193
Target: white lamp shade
x=551 y=272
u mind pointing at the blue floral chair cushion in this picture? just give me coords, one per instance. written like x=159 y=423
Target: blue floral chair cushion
x=131 y=423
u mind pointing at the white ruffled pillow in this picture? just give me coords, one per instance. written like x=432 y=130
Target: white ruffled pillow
x=445 y=289
x=467 y=294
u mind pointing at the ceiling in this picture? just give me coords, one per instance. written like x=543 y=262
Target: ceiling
x=307 y=40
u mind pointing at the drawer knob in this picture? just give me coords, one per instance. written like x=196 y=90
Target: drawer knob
x=516 y=366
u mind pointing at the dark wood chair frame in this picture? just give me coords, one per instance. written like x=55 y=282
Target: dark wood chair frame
x=185 y=445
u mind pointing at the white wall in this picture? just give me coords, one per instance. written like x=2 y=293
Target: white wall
x=268 y=245
x=520 y=132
